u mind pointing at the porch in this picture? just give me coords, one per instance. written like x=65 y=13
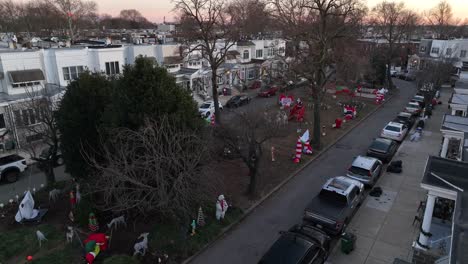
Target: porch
x=455 y=137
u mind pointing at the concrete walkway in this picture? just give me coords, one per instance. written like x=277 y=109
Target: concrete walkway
x=383 y=225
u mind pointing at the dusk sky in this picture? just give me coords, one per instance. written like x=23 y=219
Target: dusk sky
x=155 y=10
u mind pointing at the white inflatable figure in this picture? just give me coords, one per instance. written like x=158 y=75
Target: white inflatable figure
x=78 y=194
x=54 y=194
x=142 y=246
x=40 y=237
x=26 y=208
x=116 y=222
x=69 y=234
x=221 y=207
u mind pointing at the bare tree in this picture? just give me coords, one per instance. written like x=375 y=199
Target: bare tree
x=74 y=11
x=394 y=23
x=157 y=168
x=313 y=27
x=246 y=134
x=43 y=103
x=250 y=17
x=208 y=29
x=441 y=19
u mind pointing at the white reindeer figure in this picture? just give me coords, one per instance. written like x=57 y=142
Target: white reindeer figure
x=142 y=246
x=40 y=237
x=69 y=234
x=114 y=223
x=281 y=118
x=54 y=194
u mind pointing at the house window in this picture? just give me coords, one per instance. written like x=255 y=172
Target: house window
x=220 y=80
x=72 y=72
x=435 y=50
x=246 y=55
x=462 y=53
x=112 y=68
x=448 y=52
x=18 y=119
x=25 y=117
x=422 y=49
x=251 y=74
x=259 y=53
x=2 y=121
x=281 y=51
x=270 y=52
x=25 y=84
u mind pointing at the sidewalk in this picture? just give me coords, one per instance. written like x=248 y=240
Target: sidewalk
x=384 y=225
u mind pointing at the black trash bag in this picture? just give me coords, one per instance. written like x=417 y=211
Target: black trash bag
x=376 y=192
x=394 y=169
x=396 y=163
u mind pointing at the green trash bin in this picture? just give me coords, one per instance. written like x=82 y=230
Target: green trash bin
x=347 y=242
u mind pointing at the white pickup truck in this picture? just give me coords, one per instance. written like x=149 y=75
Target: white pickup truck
x=11 y=166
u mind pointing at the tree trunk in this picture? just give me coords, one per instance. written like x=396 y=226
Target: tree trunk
x=317 y=128
x=252 y=189
x=49 y=172
x=214 y=86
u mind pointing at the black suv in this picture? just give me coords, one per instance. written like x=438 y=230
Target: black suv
x=302 y=244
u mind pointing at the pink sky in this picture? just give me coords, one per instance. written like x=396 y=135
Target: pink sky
x=155 y=10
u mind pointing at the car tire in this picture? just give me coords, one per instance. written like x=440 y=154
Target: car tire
x=11 y=176
x=59 y=161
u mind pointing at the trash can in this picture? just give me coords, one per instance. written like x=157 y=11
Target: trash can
x=347 y=242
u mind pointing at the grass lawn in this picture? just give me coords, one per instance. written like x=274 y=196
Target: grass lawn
x=177 y=241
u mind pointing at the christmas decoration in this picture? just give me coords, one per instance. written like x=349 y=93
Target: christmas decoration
x=29 y=258
x=200 y=217
x=298 y=156
x=338 y=123
x=212 y=119
x=72 y=200
x=272 y=153
x=142 y=246
x=194 y=227
x=221 y=207
x=118 y=221
x=94 y=244
x=92 y=223
x=40 y=237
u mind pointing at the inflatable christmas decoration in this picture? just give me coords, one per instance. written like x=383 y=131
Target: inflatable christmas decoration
x=337 y=123
x=305 y=139
x=221 y=207
x=92 y=223
x=94 y=244
x=297 y=111
x=286 y=101
x=349 y=112
x=297 y=157
x=380 y=95
x=212 y=119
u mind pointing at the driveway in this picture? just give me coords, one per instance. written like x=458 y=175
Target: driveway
x=250 y=240
x=29 y=179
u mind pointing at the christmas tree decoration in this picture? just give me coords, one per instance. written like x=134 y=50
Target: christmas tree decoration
x=201 y=217
x=92 y=223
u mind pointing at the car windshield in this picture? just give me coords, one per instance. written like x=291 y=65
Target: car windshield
x=333 y=197
x=392 y=128
x=412 y=106
x=404 y=118
x=288 y=249
x=380 y=145
x=359 y=171
x=205 y=106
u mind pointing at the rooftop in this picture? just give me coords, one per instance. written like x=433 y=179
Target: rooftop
x=459 y=99
x=457 y=123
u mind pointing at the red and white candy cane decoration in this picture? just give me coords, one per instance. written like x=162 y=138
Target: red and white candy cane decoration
x=212 y=120
x=307 y=148
x=298 y=156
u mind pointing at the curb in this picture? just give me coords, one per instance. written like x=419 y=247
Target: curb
x=281 y=184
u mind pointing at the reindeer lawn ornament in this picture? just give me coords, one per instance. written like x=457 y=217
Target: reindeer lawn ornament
x=142 y=246
x=40 y=237
x=69 y=234
x=116 y=222
x=282 y=118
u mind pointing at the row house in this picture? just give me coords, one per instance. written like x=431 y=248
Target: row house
x=32 y=70
x=453 y=50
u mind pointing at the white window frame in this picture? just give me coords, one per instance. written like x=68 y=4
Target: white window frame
x=270 y=52
x=259 y=53
x=435 y=50
x=246 y=52
x=68 y=75
x=112 y=67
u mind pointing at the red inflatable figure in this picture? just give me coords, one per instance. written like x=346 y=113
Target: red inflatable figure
x=297 y=111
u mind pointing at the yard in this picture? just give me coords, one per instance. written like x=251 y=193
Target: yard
x=19 y=241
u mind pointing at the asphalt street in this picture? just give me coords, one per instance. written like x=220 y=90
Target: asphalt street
x=250 y=239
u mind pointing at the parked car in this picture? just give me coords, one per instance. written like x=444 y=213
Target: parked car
x=11 y=166
x=393 y=73
x=46 y=154
x=301 y=244
x=334 y=206
x=238 y=100
x=365 y=169
x=395 y=131
x=419 y=99
x=207 y=108
x=382 y=149
x=406 y=119
x=413 y=108
x=268 y=91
